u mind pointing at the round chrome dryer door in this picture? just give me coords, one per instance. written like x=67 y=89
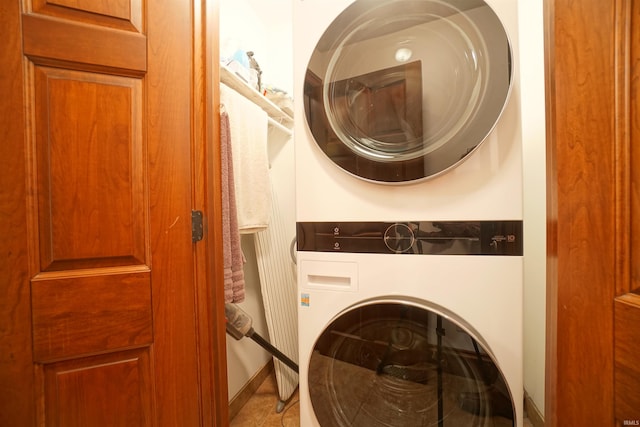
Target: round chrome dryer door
x=403 y=90
x=397 y=364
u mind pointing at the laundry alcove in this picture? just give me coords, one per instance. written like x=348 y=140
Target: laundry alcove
x=269 y=270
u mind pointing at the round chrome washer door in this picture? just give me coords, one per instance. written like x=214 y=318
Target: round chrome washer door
x=398 y=91
x=397 y=364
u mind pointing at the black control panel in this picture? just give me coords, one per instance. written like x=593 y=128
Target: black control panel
x=413 y=237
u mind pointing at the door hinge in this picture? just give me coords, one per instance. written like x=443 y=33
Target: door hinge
x=197 y=229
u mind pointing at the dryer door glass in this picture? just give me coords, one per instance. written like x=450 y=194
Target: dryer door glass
x=393 y=364
x=403 y=90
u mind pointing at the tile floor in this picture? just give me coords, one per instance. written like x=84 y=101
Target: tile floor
x=260 y=410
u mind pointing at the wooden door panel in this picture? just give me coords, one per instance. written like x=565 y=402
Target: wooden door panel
x=94 y=313
x=121 y=14
x=107 y=390
x=627 y=366
x=50 y=40
x=117 y=9
x=582 y=246
x=90 y=170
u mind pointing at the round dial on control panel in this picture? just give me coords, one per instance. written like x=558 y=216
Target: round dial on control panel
x=399 y=238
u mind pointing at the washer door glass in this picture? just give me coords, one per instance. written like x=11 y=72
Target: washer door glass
x=403 y=90
x=393 y=364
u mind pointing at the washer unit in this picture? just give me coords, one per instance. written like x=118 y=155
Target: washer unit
x=409 y=212
x=427 y=337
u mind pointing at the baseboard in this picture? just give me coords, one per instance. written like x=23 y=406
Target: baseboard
x=532 y=412
x=243 y=396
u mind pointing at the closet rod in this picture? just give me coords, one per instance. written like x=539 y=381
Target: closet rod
x=232 y=80
x=279 y=126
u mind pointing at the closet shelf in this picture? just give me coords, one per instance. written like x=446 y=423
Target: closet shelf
x=275 y=113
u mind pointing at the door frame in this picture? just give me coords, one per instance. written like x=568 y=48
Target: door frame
x=208 y=196
x=207 y=187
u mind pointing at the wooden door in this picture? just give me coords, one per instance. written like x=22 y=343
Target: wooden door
x=627 y=301
x=107 y=315
x=593 y=293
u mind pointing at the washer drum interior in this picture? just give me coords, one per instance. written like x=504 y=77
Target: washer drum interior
x=392 y=363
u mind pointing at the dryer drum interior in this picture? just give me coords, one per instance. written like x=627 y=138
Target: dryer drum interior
x=395 y=364
x=403 y=90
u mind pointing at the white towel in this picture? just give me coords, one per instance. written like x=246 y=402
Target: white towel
x=249 y=131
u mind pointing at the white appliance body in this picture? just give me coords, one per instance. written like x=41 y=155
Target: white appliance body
x=487 y=185
x=485 y=292
x=481 y=293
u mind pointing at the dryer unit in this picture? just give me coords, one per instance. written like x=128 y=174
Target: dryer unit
x=409 y=212
x=407 y=109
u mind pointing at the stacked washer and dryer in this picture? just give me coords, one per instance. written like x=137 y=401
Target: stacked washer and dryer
x=409 y=212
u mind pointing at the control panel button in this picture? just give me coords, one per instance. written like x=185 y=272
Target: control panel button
x=399 y=238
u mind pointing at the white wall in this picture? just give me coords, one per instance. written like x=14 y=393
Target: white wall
x=533 y=136
x=264 y=27
x=245 y=357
